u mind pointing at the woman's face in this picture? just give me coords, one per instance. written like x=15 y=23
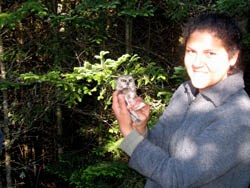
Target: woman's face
x=206 y=59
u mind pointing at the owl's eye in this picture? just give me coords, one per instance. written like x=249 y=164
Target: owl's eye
x=123 y=80
x=130 y=80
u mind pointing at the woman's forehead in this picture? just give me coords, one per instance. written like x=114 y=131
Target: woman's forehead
x=205 y=37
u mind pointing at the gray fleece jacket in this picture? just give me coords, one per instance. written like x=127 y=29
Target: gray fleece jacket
x=201 y=139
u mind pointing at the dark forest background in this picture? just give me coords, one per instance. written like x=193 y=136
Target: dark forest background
x=59 y=60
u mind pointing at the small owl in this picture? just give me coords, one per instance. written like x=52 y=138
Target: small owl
x=126 y=85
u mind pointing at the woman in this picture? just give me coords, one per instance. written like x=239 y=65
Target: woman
x=203 y=137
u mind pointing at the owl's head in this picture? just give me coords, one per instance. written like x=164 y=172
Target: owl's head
x=125 y=82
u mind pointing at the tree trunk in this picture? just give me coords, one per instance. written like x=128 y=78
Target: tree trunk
x=6 y=130
x=128 y=34
x=149 y=37
x=57 y=8
x=59 y=131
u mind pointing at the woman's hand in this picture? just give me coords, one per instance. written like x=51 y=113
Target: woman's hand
x=122 y=113
x=142 y=112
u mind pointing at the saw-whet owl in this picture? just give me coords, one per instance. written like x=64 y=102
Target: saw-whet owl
x=125 y=84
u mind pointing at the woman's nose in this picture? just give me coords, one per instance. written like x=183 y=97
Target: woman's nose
x=198 y=60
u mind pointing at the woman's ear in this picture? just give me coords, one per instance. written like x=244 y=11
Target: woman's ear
x=234 y=58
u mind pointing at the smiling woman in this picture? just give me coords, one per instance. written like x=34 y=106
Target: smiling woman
x=202 y=138
x=212 y=49
x=207 y=60
x=220 y=27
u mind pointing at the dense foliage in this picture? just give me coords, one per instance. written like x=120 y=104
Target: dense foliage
x=59 y=61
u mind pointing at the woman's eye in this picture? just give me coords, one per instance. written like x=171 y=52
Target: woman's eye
x=210 y=54
x=188 y=51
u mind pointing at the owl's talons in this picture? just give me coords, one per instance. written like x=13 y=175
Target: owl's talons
x=134 y=116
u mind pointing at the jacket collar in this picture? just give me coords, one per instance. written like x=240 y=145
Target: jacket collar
x=219 y=92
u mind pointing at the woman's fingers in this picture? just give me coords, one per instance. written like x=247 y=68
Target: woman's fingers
x=122 y=113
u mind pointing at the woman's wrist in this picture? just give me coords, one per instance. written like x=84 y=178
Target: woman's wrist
x=141 y=130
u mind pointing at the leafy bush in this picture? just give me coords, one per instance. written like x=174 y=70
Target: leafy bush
x=98 y=81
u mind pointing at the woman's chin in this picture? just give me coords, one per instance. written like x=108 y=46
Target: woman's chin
x=199 y=84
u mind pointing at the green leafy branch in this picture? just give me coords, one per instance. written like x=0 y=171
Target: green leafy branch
x=30 y=7
x=5 y=84
x=82 y=81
